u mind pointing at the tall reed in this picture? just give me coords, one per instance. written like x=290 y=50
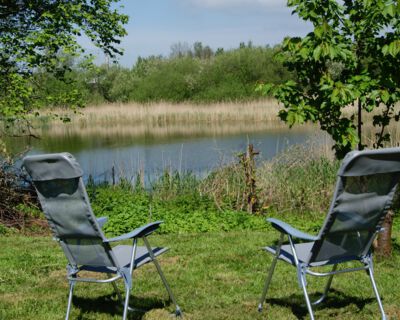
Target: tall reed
x=300 y=179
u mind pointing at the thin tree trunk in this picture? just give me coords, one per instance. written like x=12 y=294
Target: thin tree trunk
x=359 y=125
x=383 y=245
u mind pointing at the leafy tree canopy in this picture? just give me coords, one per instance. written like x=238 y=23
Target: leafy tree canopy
x=41 y=35
x=349 y=63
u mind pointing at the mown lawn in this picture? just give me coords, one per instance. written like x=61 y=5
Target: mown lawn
x=213 y=275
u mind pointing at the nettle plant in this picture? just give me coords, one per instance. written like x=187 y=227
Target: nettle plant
x=348 y=64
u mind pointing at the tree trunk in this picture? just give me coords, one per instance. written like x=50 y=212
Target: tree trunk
x=383 y=245
x=359 y=126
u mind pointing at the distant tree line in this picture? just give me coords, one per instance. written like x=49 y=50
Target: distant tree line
x=190 y=73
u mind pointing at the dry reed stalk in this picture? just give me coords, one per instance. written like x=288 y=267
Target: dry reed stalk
x=165 y=119
x=82 y=128
x=163 y=112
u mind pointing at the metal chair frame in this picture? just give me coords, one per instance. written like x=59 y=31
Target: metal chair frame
x=72 y=274
x=304 y=269
x=58 y=181
x=366 y=184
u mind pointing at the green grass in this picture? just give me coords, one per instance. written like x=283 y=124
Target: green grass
x=213 y=275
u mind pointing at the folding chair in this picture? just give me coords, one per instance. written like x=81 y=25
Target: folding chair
x=364 y=191
x=58 y=181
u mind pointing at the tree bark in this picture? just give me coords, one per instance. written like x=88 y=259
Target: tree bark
x=248 y=162
x=383 y=245
x=359 y=126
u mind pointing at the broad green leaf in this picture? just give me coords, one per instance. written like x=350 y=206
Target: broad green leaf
x=317 y=53
x=390 y=10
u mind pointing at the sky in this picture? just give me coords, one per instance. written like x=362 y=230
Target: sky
x=155 y=25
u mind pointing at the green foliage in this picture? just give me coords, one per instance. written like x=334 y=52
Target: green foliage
x=3 y=230
x=347 y=59
x=185 y=76
x=172 y=80
x=230 y=75
x=297 y=183
x=174 y=199
x=40 y=37
x=126 y=210
x=30 y=211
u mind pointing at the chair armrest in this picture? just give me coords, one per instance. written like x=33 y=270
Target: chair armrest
x=138 y=232
x=102 y=221
x=288 y=229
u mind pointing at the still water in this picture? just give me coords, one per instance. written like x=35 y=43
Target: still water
x=151 y=155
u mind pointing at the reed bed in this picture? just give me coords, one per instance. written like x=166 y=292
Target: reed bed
x=166 y=118
x=299 y=180
x=165 y=113
x=135 y=130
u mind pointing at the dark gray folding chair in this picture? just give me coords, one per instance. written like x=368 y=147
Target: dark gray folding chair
x=65 y=203
x=365 y=187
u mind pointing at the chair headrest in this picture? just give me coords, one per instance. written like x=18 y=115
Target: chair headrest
x=368 y=162
x=52 y=166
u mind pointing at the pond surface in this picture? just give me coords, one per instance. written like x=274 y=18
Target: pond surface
x=151 y=154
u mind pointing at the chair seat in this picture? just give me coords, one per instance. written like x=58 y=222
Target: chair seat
x=303 y=251
x=123 y=256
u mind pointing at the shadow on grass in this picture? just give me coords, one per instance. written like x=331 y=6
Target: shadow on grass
x=109 y=304
x=396 y=247
x=335 y=300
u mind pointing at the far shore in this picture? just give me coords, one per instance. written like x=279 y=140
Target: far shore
x=163 y=118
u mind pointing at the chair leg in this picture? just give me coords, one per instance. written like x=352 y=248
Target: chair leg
x=303 y=284
x=267 y=283
x=178 y=311
x=126 y=303
x=271 y=271
x=327 y=287
x=71 y=289
x=370 y=272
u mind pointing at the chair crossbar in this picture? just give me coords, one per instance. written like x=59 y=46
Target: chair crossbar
x=326 y=274
x=94 y=280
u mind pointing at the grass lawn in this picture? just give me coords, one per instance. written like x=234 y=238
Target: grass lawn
x=213 y=276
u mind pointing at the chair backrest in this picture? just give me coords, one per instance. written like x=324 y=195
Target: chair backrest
x=62 y=195
x=365 y=187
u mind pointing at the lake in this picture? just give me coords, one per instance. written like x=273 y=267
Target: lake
x=151 y=138
x=151 y=152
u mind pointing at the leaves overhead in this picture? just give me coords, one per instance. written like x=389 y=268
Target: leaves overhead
x=352 y=55
x=40 y=35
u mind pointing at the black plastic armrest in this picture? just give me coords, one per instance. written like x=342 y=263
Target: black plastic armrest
x=288 y=229
x=138 y=232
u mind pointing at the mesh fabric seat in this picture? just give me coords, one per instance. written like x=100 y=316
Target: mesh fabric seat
x=365 y=187
x=58 y=181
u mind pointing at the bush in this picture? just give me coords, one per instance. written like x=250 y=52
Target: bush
x=18 y=205
x=128 y=208
x=226 y=76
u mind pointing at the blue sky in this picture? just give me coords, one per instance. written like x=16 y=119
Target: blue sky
x=154 y=25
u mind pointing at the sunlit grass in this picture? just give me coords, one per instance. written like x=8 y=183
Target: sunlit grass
x=213 y=276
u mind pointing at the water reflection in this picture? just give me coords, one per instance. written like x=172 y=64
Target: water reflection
x=181 y=149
